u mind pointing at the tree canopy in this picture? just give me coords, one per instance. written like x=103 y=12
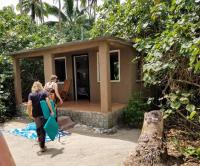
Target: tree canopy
x=167 y=35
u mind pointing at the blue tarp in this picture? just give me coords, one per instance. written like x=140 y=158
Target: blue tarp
x=30 y=132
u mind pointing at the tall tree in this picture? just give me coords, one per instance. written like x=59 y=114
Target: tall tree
x=37 y=8
x=69 y=13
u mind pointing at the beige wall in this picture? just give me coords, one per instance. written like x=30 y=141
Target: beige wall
x=121 y=91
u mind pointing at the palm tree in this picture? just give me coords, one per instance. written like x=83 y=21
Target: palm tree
x=20 y=6
x=68 y=13
x=35 y=7
x=54 y=9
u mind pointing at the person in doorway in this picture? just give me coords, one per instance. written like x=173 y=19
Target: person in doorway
x=38 y=94
x=52 y=88
x=6 y=158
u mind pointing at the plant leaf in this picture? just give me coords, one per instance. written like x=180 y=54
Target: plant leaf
x=190 y=107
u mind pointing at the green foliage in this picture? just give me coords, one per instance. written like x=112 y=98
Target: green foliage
x=167 y=35
x=18 y=32
x=36 y=66
x=7 y=98
x=37 y=8
x=183 y=103
x=133 y=115
x=192 y=151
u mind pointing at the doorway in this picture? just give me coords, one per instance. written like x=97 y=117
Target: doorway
x=81 y=77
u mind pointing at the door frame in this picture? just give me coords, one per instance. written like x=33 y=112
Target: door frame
x=74 y=75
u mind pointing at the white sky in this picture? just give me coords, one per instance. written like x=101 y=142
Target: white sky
x=13 y=3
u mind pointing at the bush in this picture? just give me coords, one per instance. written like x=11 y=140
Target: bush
x=32 y=69
x=133 y=114
x=7 y=97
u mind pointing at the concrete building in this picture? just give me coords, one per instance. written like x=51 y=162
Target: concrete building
x=102 y=75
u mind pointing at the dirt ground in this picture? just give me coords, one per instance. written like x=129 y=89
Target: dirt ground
x=81 y=148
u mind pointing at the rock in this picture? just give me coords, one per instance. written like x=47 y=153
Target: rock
x=97 y=131
x=112 y=130
x=77 y=125
x=65 y=122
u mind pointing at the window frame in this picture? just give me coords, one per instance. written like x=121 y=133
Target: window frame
x=98 y=65
x=57 y=58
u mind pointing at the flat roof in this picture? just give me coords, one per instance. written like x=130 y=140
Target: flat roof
x=74 y=43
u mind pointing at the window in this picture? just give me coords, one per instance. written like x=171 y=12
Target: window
x=114 y=66
x=60 y=68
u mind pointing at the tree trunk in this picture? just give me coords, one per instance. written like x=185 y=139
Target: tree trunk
x=59 y=14
x=33 y=12
x=42 y=12
x=20 y=6
x=149 y=149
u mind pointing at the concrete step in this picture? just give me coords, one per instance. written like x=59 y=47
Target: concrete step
x=65 y=122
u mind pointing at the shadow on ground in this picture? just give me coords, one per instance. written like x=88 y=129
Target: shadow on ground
x=51 y=151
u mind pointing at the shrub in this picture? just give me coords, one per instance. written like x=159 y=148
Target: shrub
x=133 y=114
x=7 y=97
x=32 y=69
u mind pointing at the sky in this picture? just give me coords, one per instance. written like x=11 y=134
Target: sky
x=13 y=3
x=7 y=2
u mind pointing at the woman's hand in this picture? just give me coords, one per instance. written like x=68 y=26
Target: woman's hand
x=61 y=102
x=52 y=113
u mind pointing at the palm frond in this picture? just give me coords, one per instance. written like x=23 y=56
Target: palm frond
x=53 y=10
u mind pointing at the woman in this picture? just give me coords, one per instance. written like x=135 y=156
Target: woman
x=6 y=158
x=34 y=107
x=52 y=88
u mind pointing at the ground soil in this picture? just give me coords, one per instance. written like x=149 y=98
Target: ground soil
x=178 y=135
x=81 y=148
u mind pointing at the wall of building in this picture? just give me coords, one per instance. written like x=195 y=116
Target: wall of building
x=121 y=91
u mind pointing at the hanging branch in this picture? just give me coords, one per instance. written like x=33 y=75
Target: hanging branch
x=187 y=82
x=183 y=116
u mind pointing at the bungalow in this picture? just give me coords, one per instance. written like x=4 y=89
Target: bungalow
x=101 y=74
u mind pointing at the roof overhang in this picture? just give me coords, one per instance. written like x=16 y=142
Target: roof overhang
x=71 y=46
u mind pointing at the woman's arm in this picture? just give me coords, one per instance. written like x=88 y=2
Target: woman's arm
x=6 y=158
x=29 y=109
x=49 y=105
x=57 y=93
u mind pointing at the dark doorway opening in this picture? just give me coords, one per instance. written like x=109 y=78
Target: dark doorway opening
x=81 y=77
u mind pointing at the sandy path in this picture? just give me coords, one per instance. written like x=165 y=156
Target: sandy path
x=81 y=148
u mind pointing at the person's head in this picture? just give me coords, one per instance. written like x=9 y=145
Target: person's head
x=53 y=78
x=37 y=86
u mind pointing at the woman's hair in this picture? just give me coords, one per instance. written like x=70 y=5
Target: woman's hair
x=37 y=86
x=53 y=78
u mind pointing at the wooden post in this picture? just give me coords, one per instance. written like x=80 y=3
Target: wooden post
x=17 y=80
x=105 y=88
x=48 y=66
